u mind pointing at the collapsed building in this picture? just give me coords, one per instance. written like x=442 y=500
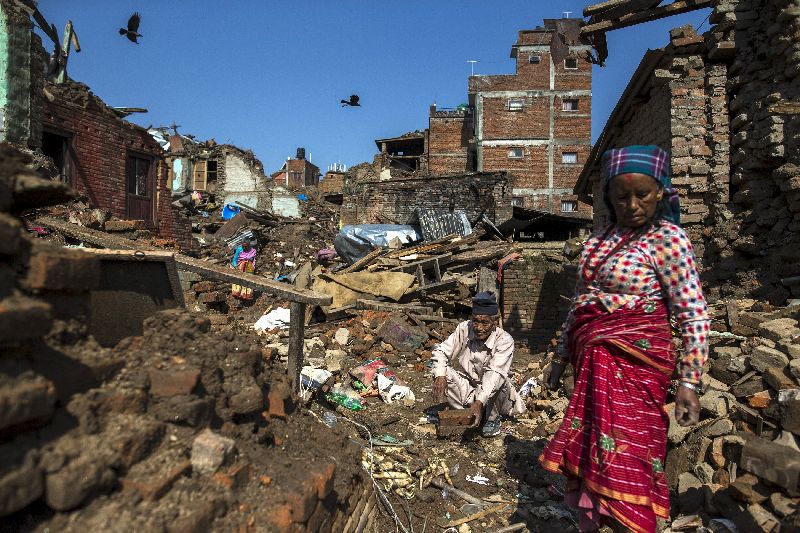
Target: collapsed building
x=116 y=164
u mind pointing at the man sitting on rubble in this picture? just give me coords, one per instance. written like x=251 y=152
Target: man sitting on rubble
x=471 y=368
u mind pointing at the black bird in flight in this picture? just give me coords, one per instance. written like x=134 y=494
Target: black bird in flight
x=132 y=33
x=352 y=102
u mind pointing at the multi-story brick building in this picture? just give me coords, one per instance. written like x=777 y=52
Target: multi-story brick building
x=535 y=124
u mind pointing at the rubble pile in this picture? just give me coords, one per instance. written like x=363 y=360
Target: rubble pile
x=739 y=463
x=182 y=429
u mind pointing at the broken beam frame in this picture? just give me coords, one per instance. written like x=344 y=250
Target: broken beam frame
x=298 y=298
x=675 y=8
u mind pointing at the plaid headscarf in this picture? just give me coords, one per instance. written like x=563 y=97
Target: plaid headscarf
x=649 y=160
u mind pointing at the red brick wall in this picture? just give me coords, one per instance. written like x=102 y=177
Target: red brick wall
x=99 y=144
x=565 y=175
x=447 y=147
x=500 y=123
x=530 y=172
x=573 y=80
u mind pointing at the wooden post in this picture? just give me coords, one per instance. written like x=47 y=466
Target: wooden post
x=297 y=318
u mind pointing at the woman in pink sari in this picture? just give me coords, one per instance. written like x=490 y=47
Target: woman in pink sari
x=634 y=276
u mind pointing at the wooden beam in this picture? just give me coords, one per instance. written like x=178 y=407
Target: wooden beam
x=189 y=264
x=297 y=318
x=675 y=8
x=603 y=6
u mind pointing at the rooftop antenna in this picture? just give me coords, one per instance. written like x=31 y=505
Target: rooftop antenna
x=471 y=66
x=567 y=14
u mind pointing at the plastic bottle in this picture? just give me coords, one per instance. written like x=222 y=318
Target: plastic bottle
x=330 y=419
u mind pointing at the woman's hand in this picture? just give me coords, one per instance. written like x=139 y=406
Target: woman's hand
x=557 y=367
x=687 y=407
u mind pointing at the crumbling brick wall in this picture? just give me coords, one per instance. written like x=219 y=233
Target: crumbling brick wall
x=535 y=296
x=99 y=143
x=731 y=97
x=394 y=201
x=449 y=135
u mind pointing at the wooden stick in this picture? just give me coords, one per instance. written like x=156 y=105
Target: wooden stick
x=297 y=318
x=509 y=528
x=631 y=19
x=479 y=514
x=467 y=497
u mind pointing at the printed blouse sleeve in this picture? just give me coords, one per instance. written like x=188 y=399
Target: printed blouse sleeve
x=677 y=271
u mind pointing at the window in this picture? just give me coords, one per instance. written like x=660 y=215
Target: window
x=534 y=59
x=203 y=172
x=569 y=105
x=569 y=158
x=515 y=153
x=571 y=63
x=136 y=172
x=515 y=104
x=569 y=206
x=517 y=201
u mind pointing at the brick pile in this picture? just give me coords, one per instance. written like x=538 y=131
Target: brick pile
x=186 y=428
x=742 y=461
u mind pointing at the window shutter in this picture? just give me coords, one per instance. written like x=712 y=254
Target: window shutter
x=199 y=176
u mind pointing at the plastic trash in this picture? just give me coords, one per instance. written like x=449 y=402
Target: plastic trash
x=330 y=419
x=230 y=211
x=345 y=401
x=479 y=479
x=355 y=241
x=391 y=392
x=275 y=319
x=302 y=197
x=525 y=391
x=313 y=378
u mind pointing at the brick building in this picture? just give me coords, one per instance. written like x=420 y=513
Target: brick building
x=298 y=172
x=725 y=105
x=450 y=132
x=536 y=123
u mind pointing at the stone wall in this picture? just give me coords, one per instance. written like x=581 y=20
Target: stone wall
x=536 y=295
x=394 y=201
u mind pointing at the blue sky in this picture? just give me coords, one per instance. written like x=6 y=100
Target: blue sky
x=268 y=74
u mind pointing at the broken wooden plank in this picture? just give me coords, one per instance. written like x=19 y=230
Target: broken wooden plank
x=389 y=307
x=435 y=318
x=483 y=254
x=676 y=8
x=185 y=263
x=425 y=264
x=297 y=316
x=364 y=262
x=588 y=11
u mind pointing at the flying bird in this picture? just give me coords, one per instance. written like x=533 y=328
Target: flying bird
x=352 y=102
x=132 y=33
